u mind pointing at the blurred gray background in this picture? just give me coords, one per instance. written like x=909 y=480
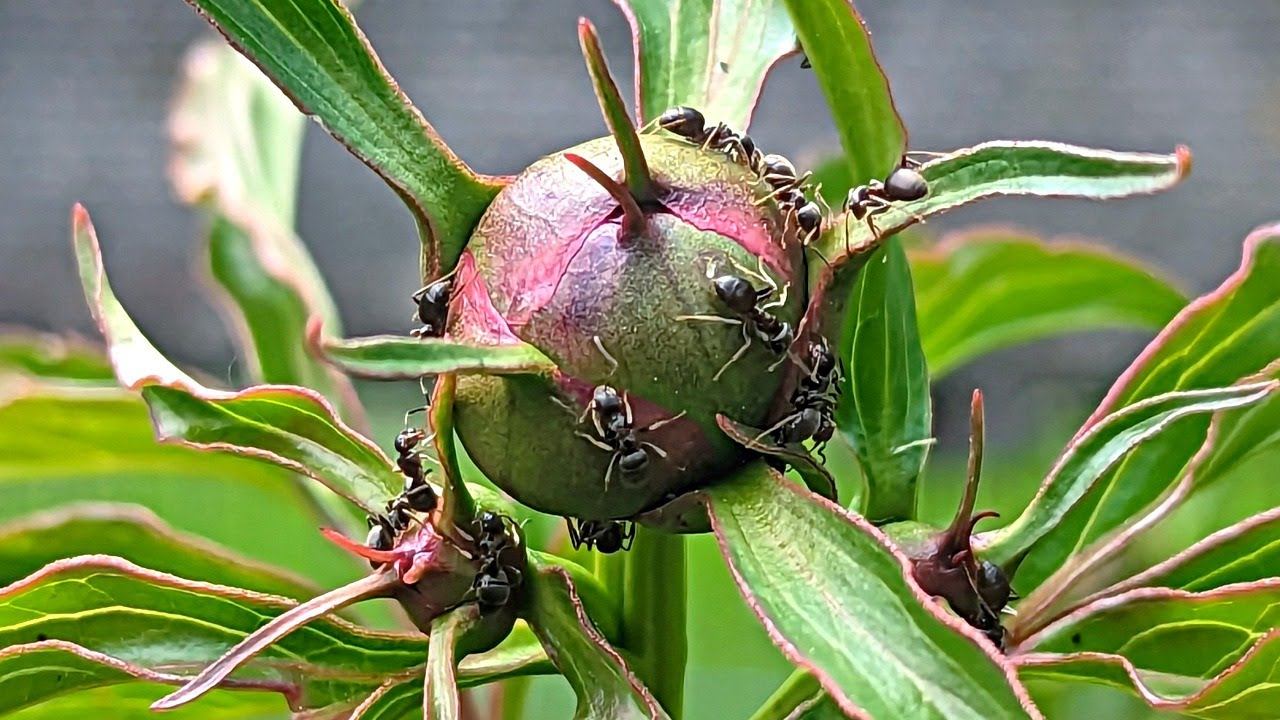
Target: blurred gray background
x=85 y=86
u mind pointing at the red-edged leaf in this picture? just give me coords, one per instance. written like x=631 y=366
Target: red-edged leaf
x=991 y=169
x=399 y=357
x=601 y=677
x=168 y=624
x=1245 y=689
x=837 y=598
x=138 y=535
x=989 y=288
x=1179 y=644
x=290 y=426
x=314 y=51
x=237 y=142
x=838 y=45
x=1245 y=552
x=1230 y=333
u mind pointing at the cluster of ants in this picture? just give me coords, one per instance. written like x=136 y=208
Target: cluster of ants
x=495 y=580
x=812 y=404
x=788 y=189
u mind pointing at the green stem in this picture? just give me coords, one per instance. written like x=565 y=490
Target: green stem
x=795 y=690
x=512 y=695
x=654 y=615
x=611 y=570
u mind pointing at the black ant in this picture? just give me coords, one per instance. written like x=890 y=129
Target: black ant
x=610 y=414
x=495 y=580
x=745 y=301
x=417 y=496
x=904 y=184
x=607 y=536
x=780 y=175
x=691 y=125
x=813 y=402
x=433 y=307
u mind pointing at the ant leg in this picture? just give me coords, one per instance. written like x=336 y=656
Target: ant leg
x=778 y=301
x=613 y=362
x=746 y=343
x=514 y=575
x=665 y=421
x=661 y=453
x=626 y=408
x=567 y=407
x=415 y=411
x=779 y=361
x=710 y=318
x=574 y=538
x=628 y=536
x=763 y=433
x=594 y=441
x=608 y=473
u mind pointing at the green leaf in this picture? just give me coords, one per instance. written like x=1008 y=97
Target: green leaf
x=712 y=55
x=223 y=497
x=1245 y=552
x=1179 y=644
x=290 y=426
x=57 y=679
x=987 y=170
x=237 y=141
x=315 y=53
x=165 y=623
x=635 y=168
x=285 y=425
x=886 y=413
x=838 y=45
x=139 y=536
x=1232 y=332
x=1245 y=689
x=1093 y=456
x=441 y=687
x=816 y=477
x=987 y=289
x=54 y=357
x=398 y=357
x=835 y=597
x=600 y=676
x=519 y=655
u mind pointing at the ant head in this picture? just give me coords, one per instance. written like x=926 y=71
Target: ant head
x=492 y=591
x=491 y=523
x=435 y=295
x=609 y=540
x=379 y=537
x=821 y=358
x=778 y=165
x=736 y=293
x=408 y=439
x=993 y=585
x=905 y=184
x=633 y=462
x=683 y=121
x=606 y=400
x=809 y=216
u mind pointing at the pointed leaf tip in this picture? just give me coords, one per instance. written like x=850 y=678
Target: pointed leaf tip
x=633 y=222
x=635 y=167
x=283 y=624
